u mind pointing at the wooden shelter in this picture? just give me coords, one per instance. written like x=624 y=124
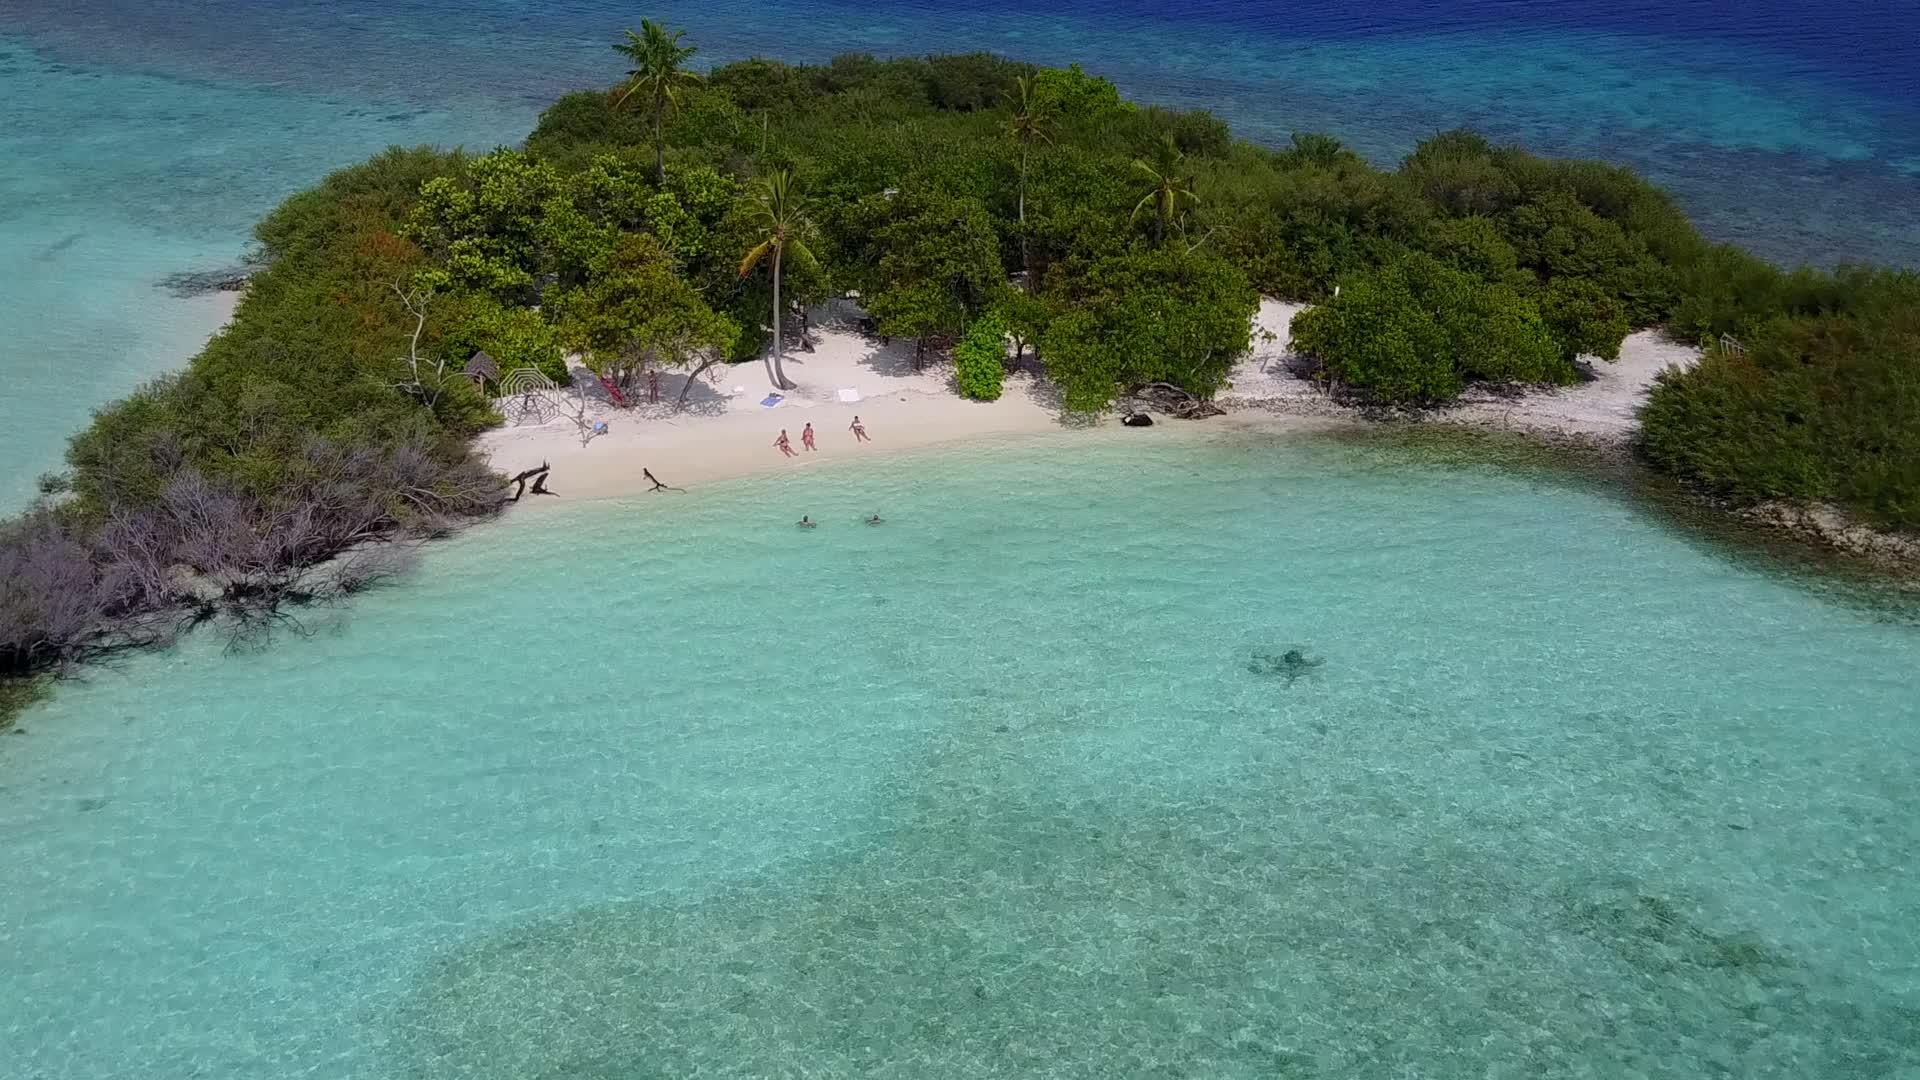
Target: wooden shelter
x=482 y=368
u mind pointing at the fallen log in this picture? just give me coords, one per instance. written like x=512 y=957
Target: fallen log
x=1175 y=401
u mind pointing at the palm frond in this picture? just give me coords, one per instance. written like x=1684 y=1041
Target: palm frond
x=799 y=252
x=752 y=259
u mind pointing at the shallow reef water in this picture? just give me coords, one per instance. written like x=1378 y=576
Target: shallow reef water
x=645 y=789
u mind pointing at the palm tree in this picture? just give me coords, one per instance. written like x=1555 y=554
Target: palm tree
x=1169 y=189
x=780 y=211
x=1029 y=125
x=656 y=78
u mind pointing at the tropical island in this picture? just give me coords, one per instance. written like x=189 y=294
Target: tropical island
x=975 y=214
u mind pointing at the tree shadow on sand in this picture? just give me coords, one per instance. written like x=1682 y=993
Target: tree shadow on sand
x=894 y=359
x=703 y=396
x=1044 y=393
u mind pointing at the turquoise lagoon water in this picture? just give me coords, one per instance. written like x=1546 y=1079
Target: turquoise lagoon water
x=116 y=178
x=141 y=140
x=670 y=788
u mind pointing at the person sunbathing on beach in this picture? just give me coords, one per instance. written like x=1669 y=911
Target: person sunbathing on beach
x=786 y=448
x=859 y=431
x=806 y=437
x=807 y=522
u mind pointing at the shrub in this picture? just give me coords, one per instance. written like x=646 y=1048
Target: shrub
x=1476 y=245
x=971 y=81
x=980 y=359
x=1071 y=94
x=1557 y=236
x=1378 y=338
x=1585 y=321
x=1417 y=331
x=1149 y=316
x=515 y=337
x=71 y=590
x=1817 y=407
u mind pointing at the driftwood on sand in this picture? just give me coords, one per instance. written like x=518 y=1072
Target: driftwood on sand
x=539 y=478
x=1171 y=400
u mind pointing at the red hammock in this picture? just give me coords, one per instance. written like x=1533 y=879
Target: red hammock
x=613 y=392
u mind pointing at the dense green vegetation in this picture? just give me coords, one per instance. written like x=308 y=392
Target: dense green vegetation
x=1818 y=403
x=1418 y=330
x=312 y=353
x=323 y=419
x=980 y=359
x=677 y=218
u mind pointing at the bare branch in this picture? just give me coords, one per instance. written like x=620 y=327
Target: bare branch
x=416 y=385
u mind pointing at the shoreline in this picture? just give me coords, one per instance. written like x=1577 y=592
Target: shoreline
x=725 y=433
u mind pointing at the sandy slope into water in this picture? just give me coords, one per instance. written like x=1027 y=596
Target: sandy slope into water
x=723 y=433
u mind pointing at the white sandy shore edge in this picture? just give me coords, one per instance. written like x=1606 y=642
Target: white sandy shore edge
x=1600 y=411
x=220 y=306
x=723 y=434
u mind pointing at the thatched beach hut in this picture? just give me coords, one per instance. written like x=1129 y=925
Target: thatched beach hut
x=482 y=369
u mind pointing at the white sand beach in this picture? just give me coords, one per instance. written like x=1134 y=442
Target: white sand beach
x=1600 y=411
x=725 y=431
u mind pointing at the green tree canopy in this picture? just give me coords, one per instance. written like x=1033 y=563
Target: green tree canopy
x=1584 y=319
x=1417 y=331
x=1147 y=316
x=514 y=336
x=1816 y=407
x=639 y=312
x=939 y=266
x=1073 y=94
x=980 y=359
x=485 y=227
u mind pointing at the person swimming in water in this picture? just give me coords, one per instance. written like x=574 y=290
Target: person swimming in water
x=1295 y=663
x=873 y=519
x=807 y=522
x=1291 y=665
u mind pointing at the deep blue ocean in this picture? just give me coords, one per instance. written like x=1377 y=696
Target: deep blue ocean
x=141 y=139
